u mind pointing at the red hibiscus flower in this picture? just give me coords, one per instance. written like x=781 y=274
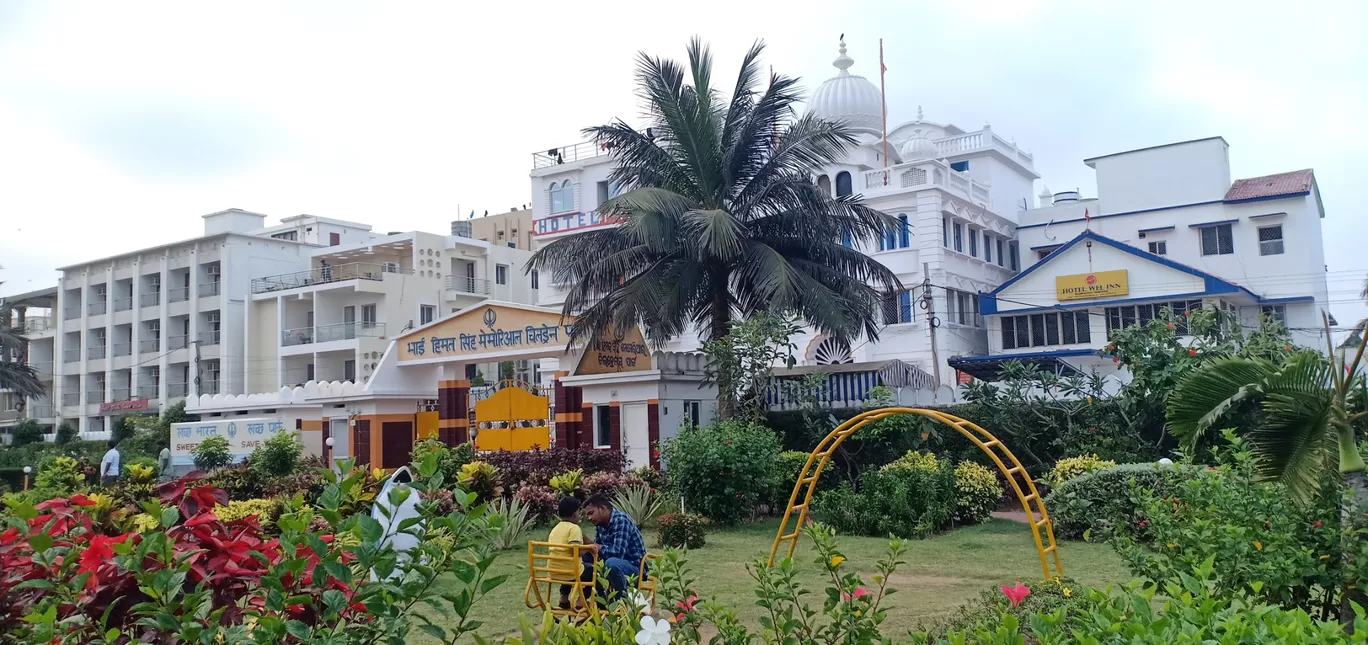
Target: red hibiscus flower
x=95 y=555
x=1016 y=594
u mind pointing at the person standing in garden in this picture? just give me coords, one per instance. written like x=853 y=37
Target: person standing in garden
x=617 y=540
x=109 y=466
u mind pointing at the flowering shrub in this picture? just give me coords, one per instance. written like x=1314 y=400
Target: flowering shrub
x=482 y=479
x=977 y=492
x=264 y=510
x=277 y=456
x=911 y=497
x=536 y=467
x=212 y=453
x=682 y=530
x=540 y=502
x=1070 y=467
x=1096 y=502
x=649 y=476
x=721 y=470
x=59 y=477
x=604 y=484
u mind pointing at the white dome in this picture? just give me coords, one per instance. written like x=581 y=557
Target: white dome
x=918 y=147
x=848 y=97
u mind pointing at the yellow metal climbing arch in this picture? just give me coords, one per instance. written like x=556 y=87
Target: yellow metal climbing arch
x=1036 y=516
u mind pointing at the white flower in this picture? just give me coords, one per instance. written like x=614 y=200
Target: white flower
x=653 y=632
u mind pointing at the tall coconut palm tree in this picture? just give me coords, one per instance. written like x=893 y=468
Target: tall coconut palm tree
x=15 y=375
x=719 y=216
x=1310 y=407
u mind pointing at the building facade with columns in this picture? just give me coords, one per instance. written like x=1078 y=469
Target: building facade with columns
x=955 y=192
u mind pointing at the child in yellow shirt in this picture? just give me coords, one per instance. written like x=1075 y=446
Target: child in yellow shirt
x=568 y=532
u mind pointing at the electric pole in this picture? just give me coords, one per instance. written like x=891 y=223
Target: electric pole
x=929 y=304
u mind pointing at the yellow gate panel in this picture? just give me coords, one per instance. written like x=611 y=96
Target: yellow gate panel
x=427 y=425
x=494 y=439
x=530 y=438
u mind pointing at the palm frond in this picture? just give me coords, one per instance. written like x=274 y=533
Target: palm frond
x=1293 y=443
x=1205 y=395
x=22 y=379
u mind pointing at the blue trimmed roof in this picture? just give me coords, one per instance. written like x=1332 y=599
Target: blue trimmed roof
x=1213 y=285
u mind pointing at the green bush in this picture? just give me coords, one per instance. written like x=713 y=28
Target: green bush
x=212 y=453
x=450 y=459
x=911 y=497
x=59 y=477
x=482 y=479
x=722 y=470
x=977 y=492
x=239 y=481
x=66 y=433
x=26 y=432
x=682 y=531
x=1070 y=467
x=277 y=456
x=1100 y=500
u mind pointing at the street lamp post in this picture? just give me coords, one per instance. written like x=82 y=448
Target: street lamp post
x=27 y=470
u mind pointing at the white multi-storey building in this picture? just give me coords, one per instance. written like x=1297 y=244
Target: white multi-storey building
x=334 y=320
x=32 y=315
x=956 y=194
x=1168 y=229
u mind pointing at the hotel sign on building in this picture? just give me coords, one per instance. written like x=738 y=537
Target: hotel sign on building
x=1082 y=286
x=567 y=222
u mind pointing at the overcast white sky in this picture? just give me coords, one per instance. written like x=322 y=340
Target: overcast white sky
x=121 y=123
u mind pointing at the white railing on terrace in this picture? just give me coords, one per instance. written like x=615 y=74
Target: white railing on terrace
x=123 y=304
x=71 y=312
x=38 y=324
x=120 y=394
x=924 y=173
x=323 y=275
x=569 y=154
x=123 y=349
x=93 y=353
x=42 y=412
x=328 y=333
x=95 y=396
x=178 y=294
x=149 y=345
x=71 y=398
x=147 y=391
x=150 y=299
x=71 y=355
x=177 y=389
x=96 y=308
x=479 y=286
x=983 y=140
x=208 y=289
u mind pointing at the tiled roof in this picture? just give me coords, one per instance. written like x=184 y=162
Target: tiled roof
x=1286 y=183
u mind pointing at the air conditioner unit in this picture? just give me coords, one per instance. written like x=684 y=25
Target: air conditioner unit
x=212 y=317
x=389 y=267
x=213 y=269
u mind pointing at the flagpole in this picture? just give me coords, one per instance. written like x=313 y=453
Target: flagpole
x=883 y=104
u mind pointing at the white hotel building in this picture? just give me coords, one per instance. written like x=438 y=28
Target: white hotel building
x=958 y=193
x=1168 y=228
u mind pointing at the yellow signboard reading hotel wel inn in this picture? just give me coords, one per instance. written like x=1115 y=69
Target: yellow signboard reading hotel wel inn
x=1082 y=286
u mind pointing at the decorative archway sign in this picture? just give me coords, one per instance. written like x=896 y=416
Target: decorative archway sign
x=1036 y=515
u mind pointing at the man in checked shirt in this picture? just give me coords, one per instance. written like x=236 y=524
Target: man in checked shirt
x=617 y=541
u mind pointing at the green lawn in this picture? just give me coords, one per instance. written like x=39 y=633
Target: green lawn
x=941 y=573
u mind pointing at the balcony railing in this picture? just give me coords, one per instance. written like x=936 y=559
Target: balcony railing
x=38 y=324
x=150 y=299
x=174 y=390
x=71 y=312
x=120 y=394
x=176 y=342
x=147 y=392
x=568 y=154
x=209 y=289
x=323 y=275
x=123 y=304
x=328 y=333
x=463 y=284
x=42 y=411
x=178 y=294
x=44 y=370
x=123 y=349
x=71 y=398
x=208 y=387
x=96 y=308
x=149 y=345
x=209 y=337
x=71 y=355
x=95 y=396
x=95 y=353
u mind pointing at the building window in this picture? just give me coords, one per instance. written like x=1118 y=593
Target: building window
x=1276 y=312
x=1122 y=317
x=692 y=411
x=973 y=243
x=1015 y=259
x=500 y=274
x=959 y=236
x=1217 y=240
x=1000 y=253
x=897 y=308
x=843 y=184
x=349 y=370
x=562 y=196
x=987 y=248
x=368 y=316
x=960 y=166
x=334 y=239
x=536 y=281
x=1041 y=254
x=1158 y=248
x=898 y=237
x=1043 y=330
x=824 y=183
x=426 y=314
x=962 y=308
x=603 y=432
x=904 y=233
x=945 y=232
x=512 y=245
x=1271 y=240
x=287 y=235
x=471 y=370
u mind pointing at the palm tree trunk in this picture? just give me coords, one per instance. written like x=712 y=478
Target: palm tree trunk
x=721 y=326
x=1353 y=506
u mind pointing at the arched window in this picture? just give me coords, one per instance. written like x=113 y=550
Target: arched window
x=824 y=183
x=562 y=196
x=843 y=184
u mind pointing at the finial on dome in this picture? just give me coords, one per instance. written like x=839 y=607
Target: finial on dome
x=843 y=62
x=919 y=113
